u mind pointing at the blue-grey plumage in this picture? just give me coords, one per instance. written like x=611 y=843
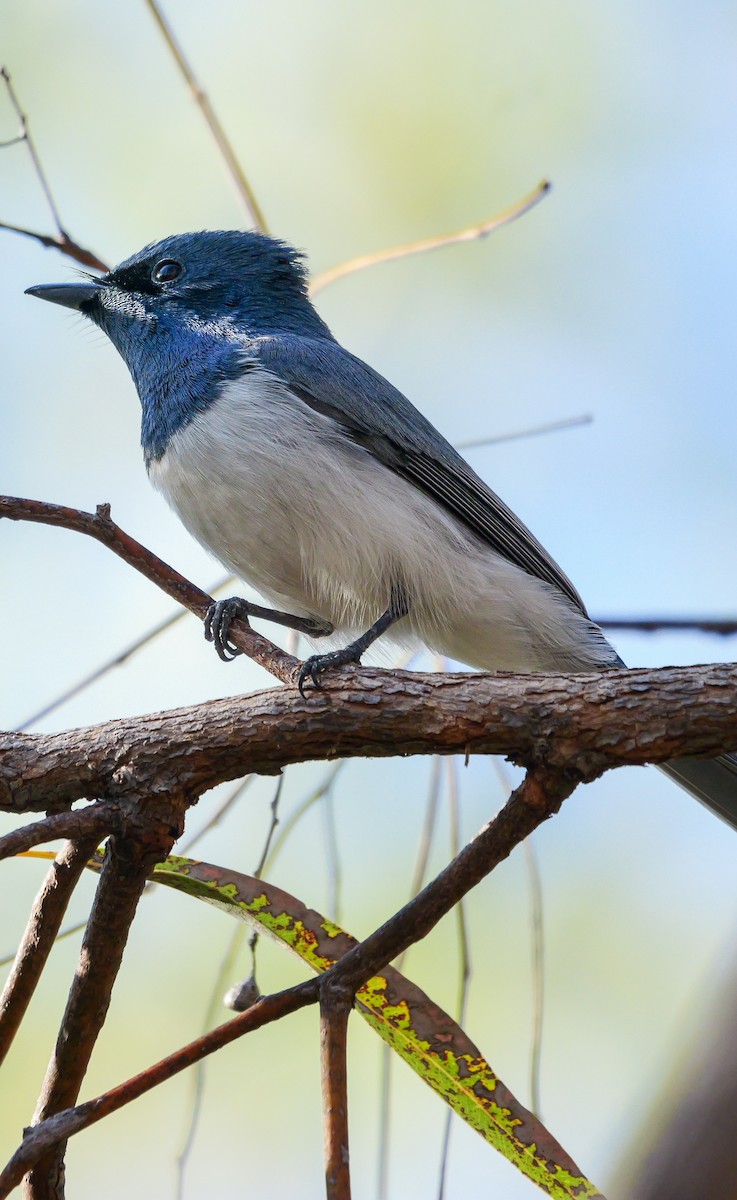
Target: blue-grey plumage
x=316 y=481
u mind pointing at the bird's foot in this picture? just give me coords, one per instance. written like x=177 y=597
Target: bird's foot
x=218 y=620
x=313 y=667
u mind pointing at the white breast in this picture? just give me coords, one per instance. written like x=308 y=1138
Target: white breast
x=283 y=498
x=225 y=475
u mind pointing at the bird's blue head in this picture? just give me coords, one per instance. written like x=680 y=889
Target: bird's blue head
x=182 y=311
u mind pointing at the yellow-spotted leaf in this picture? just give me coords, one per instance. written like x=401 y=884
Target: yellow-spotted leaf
x=420 y=1032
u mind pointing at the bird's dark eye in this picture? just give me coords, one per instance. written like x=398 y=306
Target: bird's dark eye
x=167 y=271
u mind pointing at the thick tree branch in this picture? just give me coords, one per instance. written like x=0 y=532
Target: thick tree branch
x=581 y=723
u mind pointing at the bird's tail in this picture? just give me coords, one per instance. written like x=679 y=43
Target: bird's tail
x=713 y=781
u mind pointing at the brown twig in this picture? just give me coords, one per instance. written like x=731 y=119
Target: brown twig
x=335 y=1007
x=96 y=820
x=469 y=233
x=43 y=926
x=100 y=526
x=464 y=956
x=62 y=241
x=220 y=138
x=273 y=824
x=124 y=875
x=312 y=798
x=387 y=1059
x=42 y=1137
x=25 y=136
x=724 y=626
x=538 y=797
x=239 y=996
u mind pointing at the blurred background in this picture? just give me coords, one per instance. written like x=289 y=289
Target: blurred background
x=360 y=127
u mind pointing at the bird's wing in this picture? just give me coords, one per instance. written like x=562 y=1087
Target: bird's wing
x=381 y=420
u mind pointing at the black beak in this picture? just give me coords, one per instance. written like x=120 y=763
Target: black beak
x=71 y=295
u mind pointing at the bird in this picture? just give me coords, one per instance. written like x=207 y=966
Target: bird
x=313 y=479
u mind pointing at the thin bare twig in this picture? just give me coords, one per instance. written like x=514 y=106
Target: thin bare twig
x=237 y=174
x=537 y=948
x=43 y=926
x=241 y=995
x=302 y=808
x=40 y=1138
x=333 y=872
x=248 y=988
x=25 y=136
x=116 y=661
x=62 y=242
x=274 y=807
x=100 y=526
x=469 y=233
x=723 y=626
x=225 y=973
x=387 y=1060
x=9 y=957
x=464 y=955
x=249 y=984
x=538 y=970
x=426 y=836
x=532 y=431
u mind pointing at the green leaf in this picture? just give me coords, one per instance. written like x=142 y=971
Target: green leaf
x=423 y=1034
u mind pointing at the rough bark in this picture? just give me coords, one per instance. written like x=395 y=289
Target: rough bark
x=580 y=723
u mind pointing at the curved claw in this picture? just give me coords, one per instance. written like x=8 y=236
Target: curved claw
x=218 y=620
x=313 y=667
x=310 y=669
